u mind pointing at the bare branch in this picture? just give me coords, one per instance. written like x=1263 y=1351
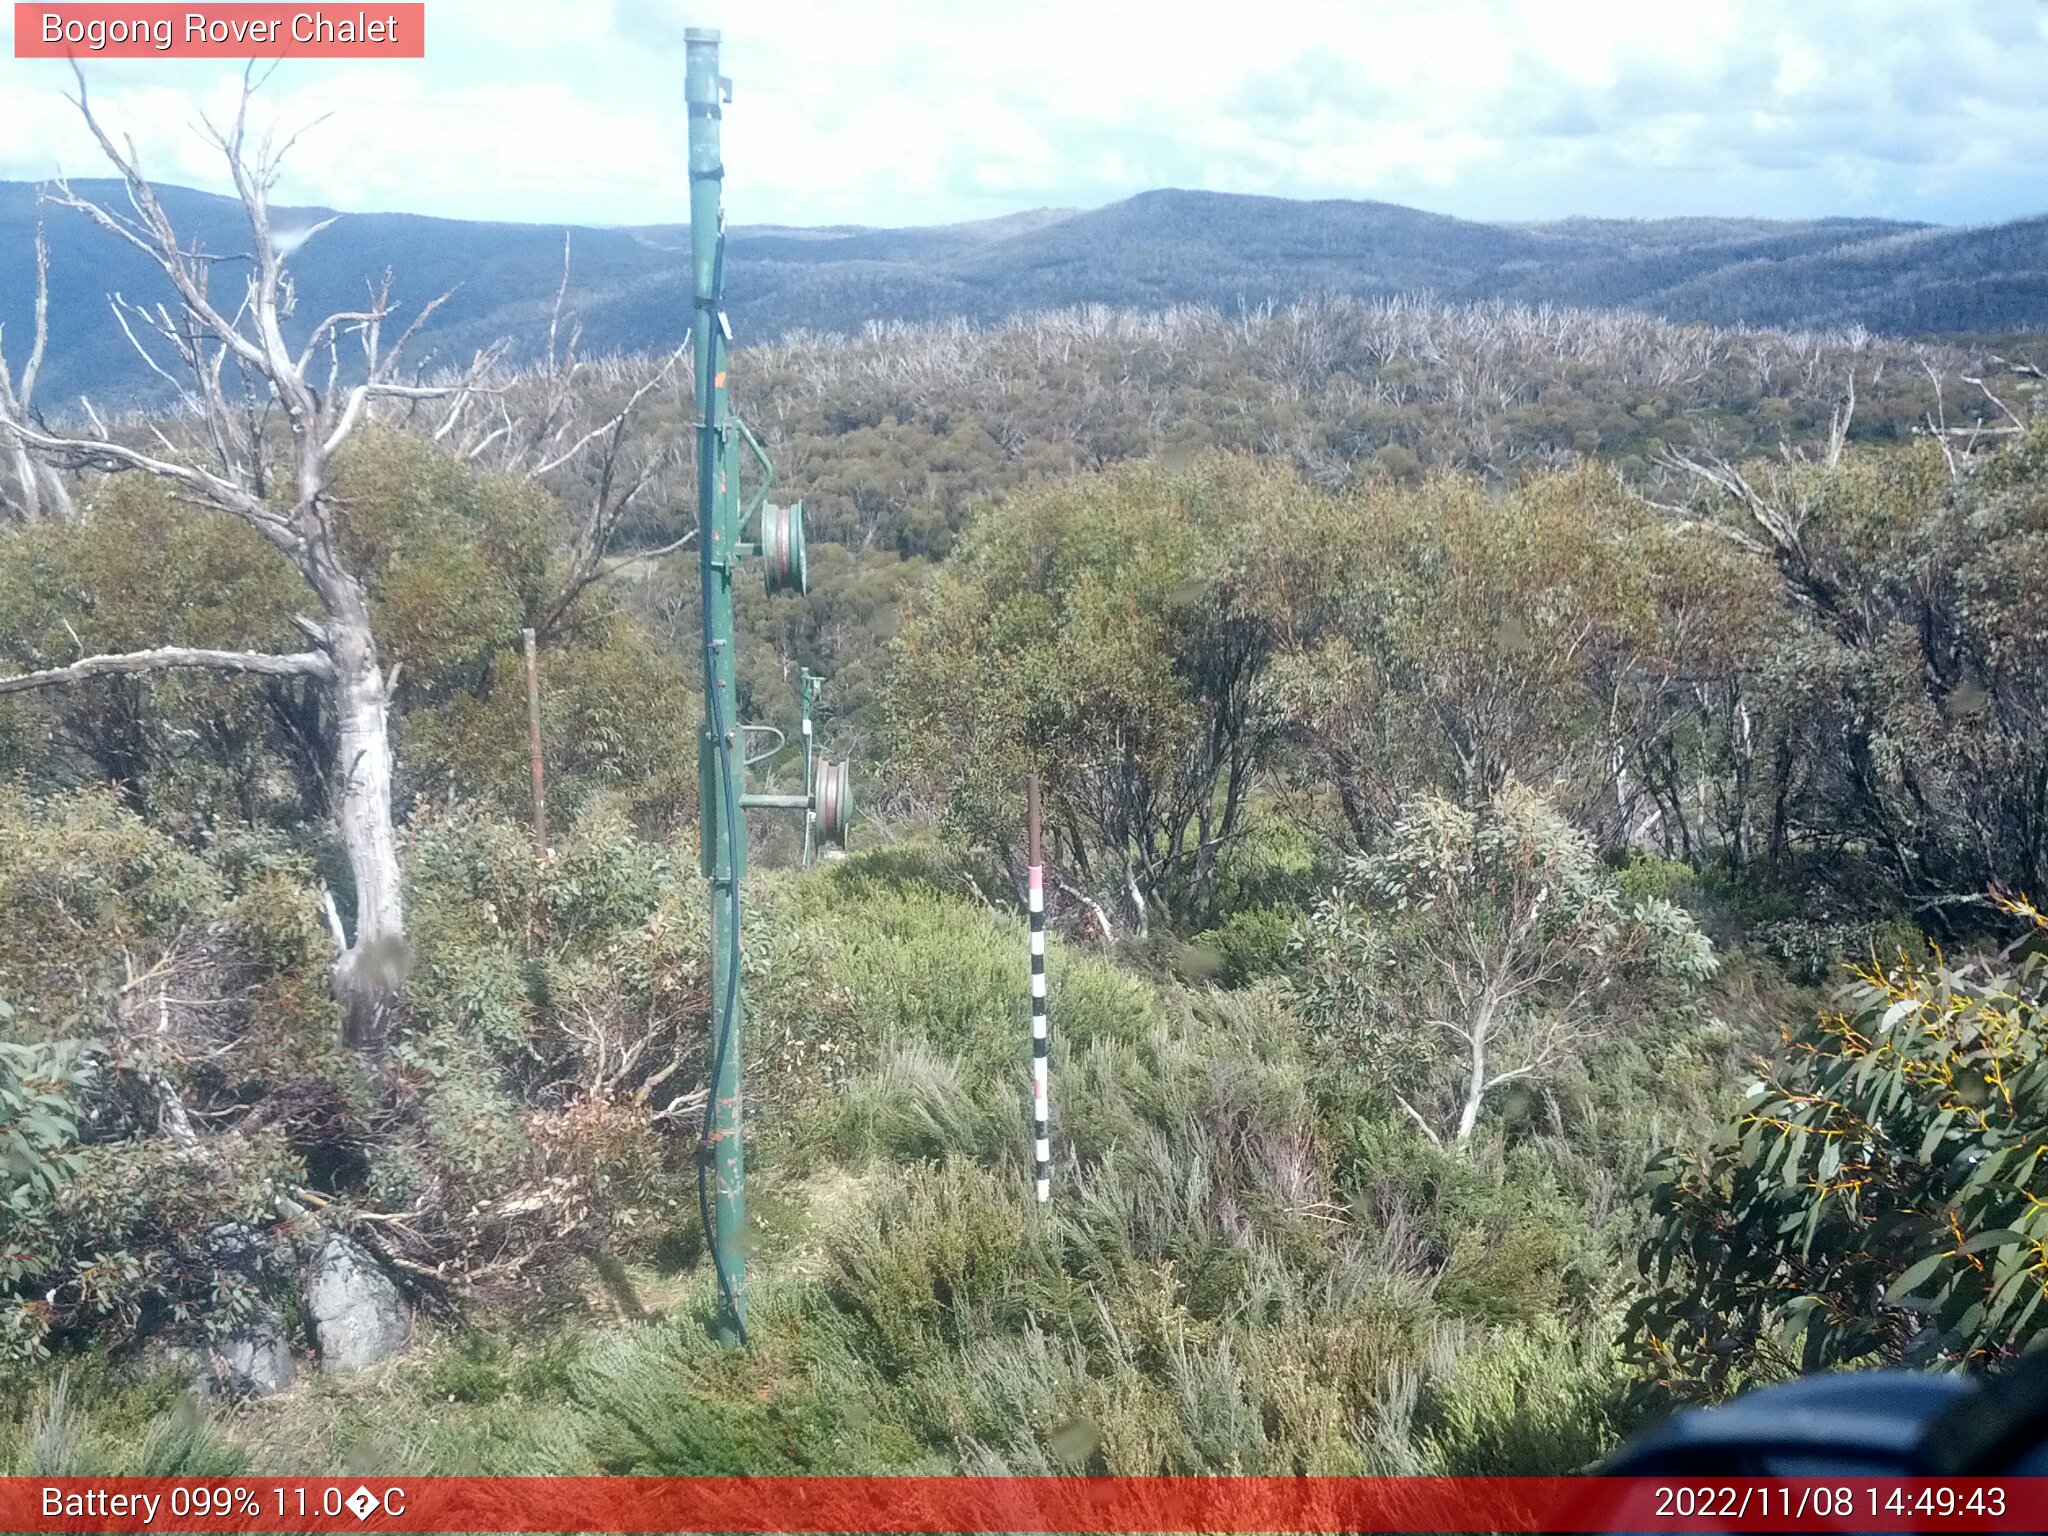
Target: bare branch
x=151 y=232
x=121 y=308
x=387 y=366
x=1417 y=1116
x=1774 y=520
x=25 y=393
x=324 y=332
x=105 y=454
x=173 y=657
x=2004 y=409
x=616 y=425
x=555 y=319
x=2025 y=370
x=362 y=394
x=1682 y=521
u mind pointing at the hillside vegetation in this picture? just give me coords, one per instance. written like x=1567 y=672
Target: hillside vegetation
x=1479 y=743
x=1154 y=251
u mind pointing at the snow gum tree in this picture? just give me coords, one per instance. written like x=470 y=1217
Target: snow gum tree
x=1481 y=946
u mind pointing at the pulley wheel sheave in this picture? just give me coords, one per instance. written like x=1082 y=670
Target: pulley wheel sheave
x=834 y=797
x=783 y=567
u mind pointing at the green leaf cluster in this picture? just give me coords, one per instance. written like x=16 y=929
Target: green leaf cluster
x=1877 y=1199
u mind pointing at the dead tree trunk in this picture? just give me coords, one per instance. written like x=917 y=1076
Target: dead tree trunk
x=369 y=969
x=36 y=491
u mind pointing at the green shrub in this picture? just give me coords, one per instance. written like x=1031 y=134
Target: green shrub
x=1249 y=944
x=472 y=1371
x=1644 y=876
x=171 y=973
x=615 y=709
x=141 y=568
x=155 y=1235
x=949 y=1255
x=1505 y=1277
x=914 y=1104
x=1274 y=862
x=912 y=1002
x=1537 y=1401
x=557 y=1010
x=1482 y=947
x=669 y=1400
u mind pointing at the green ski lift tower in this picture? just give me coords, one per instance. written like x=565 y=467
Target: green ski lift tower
x=778 y=541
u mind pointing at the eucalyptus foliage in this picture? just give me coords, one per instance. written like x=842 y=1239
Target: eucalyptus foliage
x=1878 y=1197
x=39 y=1155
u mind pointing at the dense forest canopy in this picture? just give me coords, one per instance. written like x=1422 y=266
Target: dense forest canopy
x=1477 y=740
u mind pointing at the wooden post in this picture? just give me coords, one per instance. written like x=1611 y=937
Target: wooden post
x=1041 y=1042
x=540 y=802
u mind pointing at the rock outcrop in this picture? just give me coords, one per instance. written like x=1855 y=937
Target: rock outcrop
x=353 y=1311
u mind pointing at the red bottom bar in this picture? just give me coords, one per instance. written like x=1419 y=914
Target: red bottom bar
x=1025 y=1504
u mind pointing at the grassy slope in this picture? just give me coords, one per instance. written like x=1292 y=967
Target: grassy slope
x=1246 y=1268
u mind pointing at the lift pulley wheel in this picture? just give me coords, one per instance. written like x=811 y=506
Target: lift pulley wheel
x=782 y=549
x=833 y=796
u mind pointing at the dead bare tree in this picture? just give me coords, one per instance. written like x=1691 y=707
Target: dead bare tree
x=270 y=434
x=627 y=464
x=540 y=427
x=36 y=490
x=1839 y=420
x=1770 y=504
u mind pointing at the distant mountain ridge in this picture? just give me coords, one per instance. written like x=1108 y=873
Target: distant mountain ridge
x=629 y=285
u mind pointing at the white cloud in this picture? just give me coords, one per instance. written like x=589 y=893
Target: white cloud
x=913 y=110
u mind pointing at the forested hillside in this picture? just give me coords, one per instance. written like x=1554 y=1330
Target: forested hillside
x=1543 y=807
x=1153 y=251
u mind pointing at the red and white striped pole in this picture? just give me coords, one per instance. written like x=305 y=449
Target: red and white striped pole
x=1041 y=1107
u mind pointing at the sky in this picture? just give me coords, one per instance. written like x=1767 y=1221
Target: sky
x=891 y=112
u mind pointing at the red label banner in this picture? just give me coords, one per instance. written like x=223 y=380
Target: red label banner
x=1024 y=1504
x=221 y=31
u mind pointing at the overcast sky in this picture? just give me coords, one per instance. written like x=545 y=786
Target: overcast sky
x=920 y=111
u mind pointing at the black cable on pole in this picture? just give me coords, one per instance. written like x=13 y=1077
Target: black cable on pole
x=727 y=1294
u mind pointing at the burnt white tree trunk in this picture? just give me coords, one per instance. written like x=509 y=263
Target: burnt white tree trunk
x=371 y=967
x=1478 y=1037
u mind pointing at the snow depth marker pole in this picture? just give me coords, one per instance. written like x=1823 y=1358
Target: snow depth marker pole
x=1041 y=1043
